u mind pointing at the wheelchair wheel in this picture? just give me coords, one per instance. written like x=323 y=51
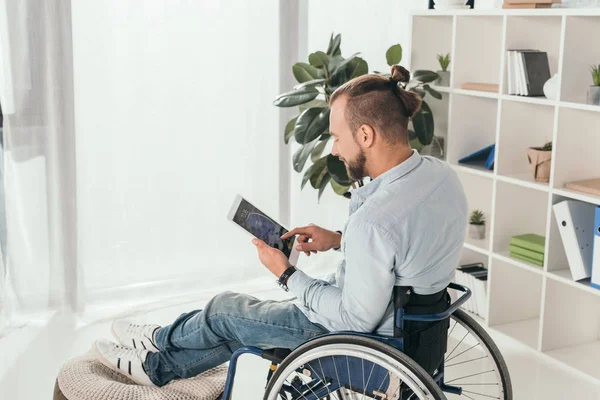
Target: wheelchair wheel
x=348 y=367
x=473 y=362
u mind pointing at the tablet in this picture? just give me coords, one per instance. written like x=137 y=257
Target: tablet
x=260 y=225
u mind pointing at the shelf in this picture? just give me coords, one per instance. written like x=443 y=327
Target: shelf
x=474 y=169
x=575 y=195
x=505 y=256
x=579 y=106
x=583 y=358
x=525 y=332
x=476 y=249
x=542 y=101
x=511 y=12
x=476 y=93
x=564 y=276
x=442 y=89
x=524 y=179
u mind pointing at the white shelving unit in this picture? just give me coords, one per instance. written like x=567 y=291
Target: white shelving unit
x=542 y=307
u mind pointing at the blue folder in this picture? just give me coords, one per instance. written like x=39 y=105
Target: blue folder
x=596 y=246
x=484 y=156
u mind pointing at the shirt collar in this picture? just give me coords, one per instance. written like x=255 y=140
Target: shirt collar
x=389 y=176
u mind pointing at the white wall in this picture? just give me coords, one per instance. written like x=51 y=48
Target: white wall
x=366 y=27
x=174 y=116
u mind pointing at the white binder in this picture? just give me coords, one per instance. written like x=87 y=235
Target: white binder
x=575 y=221
x=596 y=262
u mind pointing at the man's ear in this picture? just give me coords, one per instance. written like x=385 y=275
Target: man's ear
x=366 y=136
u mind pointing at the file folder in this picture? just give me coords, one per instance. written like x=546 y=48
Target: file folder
x=596 y=262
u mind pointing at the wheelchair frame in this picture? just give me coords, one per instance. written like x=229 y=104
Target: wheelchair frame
x=395 y=342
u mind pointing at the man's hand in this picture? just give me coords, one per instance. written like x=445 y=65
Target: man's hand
x=272 y=258
x=320 y=239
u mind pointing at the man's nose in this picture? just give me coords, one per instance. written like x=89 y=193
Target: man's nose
x=334 y=150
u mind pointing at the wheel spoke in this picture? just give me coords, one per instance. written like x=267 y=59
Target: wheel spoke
x=468 y=376
x=481 y=394
x=464 y=362
x=472 y=347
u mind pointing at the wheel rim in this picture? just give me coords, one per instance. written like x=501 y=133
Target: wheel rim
x=470 y=365
x=398 y=373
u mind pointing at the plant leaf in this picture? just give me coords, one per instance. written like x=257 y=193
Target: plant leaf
x=334 y=45
x=419 y=91
x=340 y=67
x=339 y=189
x=423 y=124
x=311 y=124
x=316 y=178
x=301 y=155
x=432 y=92
x=425 y=76
x=312 y=82
x=394 y=55
x=304 y=72
x=323 y=184
x=296 y=97
x=337 y=169
x=318 y=150
x=318 y=59
x=289 y=130
x=358 y=67
x=314 y=169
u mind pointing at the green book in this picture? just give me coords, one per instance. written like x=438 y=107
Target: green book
x=529 y=241
x=527 y=259
x=534 y=255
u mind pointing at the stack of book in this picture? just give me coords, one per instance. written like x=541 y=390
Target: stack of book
x=528 y=247
x=529 y=3
x=528 y=70
x=474 y=276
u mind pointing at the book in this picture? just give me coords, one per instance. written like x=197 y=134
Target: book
x=471 y=276
x=530 y=241
x=483 y=156
x=482 y=87
x=589 y=186
x=596 y=251
x=531 y=1
x=526 y=5
x=575 y=221
x=534 y=255
x=537 y=71
x=527 y=259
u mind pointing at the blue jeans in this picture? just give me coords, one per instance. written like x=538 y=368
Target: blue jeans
x=203 y=339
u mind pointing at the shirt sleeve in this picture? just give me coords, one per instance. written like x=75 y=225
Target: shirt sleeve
x=368 y=283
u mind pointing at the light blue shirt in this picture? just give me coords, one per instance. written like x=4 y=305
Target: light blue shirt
x=406 y=228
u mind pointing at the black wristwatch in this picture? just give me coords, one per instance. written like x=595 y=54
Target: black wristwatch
x=340 y=232
x=282 y=281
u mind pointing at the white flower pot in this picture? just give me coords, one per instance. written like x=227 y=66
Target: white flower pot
x=444 y=79
x=593 y=96
x=477 y=231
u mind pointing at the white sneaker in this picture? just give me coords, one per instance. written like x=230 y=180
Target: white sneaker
x=123 y=360
x=135 y=336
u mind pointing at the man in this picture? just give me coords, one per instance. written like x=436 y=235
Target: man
x=406 y=228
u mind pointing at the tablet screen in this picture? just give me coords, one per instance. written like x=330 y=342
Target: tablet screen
x=257 y=223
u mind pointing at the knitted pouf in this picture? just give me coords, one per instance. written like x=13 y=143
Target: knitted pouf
x=86 y=378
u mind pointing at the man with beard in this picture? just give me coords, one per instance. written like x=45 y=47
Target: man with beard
x=406 y=228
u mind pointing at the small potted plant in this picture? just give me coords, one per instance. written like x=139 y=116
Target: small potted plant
x=444 y=74
x=594 y=91
x=477 y=225
x=540 y=159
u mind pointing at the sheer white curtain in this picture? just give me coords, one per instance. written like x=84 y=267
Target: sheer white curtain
x=38 y=158
x=174 y=116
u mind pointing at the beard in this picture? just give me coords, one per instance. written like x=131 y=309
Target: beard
x=356 y=167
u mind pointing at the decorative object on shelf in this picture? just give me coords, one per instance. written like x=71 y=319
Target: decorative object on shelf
x=527 y=72
x=589 y=186
x=593 y=95
x=317 y=80
x=575 y=220
x=540 y=159
x=444 y=74
x=483 y=157
x=488 y=4
x=450 y=4
x=529 y=3
x=477 y=225
x=482 y=87
x=596 y=256
x=551 y=88
x=528 y=247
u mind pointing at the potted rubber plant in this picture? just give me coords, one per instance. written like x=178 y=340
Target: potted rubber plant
x=317 y=80
x=477 y=225
x=540 y=159
x=593 y=95
x=444 y=74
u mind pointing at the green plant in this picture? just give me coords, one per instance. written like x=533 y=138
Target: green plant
x=477 y=218
x=547 y=147
x=317 y=80
x=444 y=61
x=595 y=69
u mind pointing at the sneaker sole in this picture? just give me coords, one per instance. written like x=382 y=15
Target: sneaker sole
x=107 y=364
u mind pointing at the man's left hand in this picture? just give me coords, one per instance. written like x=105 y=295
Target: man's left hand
x=272 y=258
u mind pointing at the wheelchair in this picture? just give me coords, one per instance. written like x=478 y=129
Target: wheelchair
x=352 y=366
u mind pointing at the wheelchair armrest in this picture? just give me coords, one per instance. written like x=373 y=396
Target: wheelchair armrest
x=443 y=315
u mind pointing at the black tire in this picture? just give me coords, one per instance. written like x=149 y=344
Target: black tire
x=488 y=342
x=373 y=344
